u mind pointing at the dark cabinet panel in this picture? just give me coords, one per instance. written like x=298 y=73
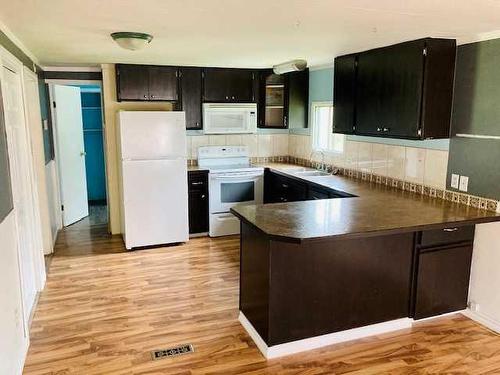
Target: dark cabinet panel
x=190 y=84
x=317 y=193
x=297 y=99
x=198 y=201
x=446 y=236
x=401 y=91
x=328 y=286
x=273 y=102
x=280 y=188
x=132 y=82
x=402 y=71
x=442 y=280
x=390 y=90
x=344 y=94
x=146 y=83
x=163 y=83
x=228 y=85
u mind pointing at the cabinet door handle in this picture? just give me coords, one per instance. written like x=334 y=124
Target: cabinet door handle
x=379 y=129
x=227 y=97
x=450 y=229
x=232 y=97
x=203 y=196
x=197 y=183
x=284 y=185
x=386 y=129
x=145 y=96
x=152 y=96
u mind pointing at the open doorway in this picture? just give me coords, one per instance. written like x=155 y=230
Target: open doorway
x=79 y=141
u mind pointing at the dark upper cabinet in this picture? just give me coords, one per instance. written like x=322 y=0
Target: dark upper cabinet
x=389 y=90
x=163 y=83
x=284 y=99
x=344 y=94
x=273 y=101
x=401 y=91
x=146 y=83
x=190 y=94
x=228 y=85
x=132 y=82
x=297 y=99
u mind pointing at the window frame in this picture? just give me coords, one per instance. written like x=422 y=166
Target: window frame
x=314 y=106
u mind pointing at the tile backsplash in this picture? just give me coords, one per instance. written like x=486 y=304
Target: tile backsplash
x=260 y=145
x=414 y=165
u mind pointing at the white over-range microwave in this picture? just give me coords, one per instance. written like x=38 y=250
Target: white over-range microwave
x=229 y=118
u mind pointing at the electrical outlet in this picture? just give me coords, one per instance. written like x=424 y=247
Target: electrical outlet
x=473 y=306
x=464 y=183
x=454 y=180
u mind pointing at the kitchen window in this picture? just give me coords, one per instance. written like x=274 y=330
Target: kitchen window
x=322 y=122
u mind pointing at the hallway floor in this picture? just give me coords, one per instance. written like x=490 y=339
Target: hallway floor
x=104 y=310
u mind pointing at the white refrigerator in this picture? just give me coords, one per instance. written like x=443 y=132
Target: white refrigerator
x=154 y=192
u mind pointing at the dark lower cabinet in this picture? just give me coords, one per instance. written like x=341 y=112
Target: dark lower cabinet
x=280 y=188
x=317 y=193
x=442 y=270
x=442 y=280
x=190 y=85
x=198 y=201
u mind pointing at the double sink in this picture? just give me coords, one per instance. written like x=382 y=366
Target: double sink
x=307 y=172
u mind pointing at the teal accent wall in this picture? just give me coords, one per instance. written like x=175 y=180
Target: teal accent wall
x=93 y=140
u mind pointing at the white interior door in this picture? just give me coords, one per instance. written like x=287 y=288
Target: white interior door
x=22 y=188
x=70 y=153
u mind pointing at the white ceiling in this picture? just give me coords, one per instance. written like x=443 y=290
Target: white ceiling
x=236 y=33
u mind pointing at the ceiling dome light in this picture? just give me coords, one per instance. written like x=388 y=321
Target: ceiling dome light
x=290 y=66
x=130 y=40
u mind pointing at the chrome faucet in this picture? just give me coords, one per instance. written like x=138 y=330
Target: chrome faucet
x=322 y=166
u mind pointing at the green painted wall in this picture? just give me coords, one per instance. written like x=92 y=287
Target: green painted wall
x=16 y=51
x=476 y=111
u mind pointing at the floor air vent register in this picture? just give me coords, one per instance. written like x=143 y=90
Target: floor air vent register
x=172 y=352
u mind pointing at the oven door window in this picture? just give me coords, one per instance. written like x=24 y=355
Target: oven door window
x=235 y=192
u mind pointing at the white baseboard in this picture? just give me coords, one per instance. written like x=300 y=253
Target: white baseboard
x=323 y=340
x=483 y=319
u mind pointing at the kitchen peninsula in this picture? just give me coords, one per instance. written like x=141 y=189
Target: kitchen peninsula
x=318 y=272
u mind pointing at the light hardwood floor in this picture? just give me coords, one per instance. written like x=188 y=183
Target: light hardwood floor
x=104 y=310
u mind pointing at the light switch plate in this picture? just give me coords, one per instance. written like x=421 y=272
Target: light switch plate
x=454 y=180
x=464 y=183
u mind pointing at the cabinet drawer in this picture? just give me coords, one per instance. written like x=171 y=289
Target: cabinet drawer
x=197 y=180
x=448 y=235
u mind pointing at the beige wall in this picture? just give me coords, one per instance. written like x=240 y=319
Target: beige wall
x=111 y=106
x=485 y=276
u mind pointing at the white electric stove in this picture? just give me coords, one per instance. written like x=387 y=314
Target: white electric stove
x=232 y=180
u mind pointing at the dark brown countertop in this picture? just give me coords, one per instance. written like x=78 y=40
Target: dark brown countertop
x=377 y=209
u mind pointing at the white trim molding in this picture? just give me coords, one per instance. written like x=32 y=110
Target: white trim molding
x=310 y=343
x=483 y=319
